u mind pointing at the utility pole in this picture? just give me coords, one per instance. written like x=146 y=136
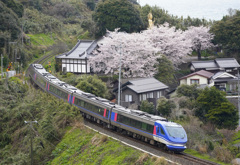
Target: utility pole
x=31 y=122
x=238 y=100
x=119 y=78
x=9 y=49
x=2 y=65
x=119 y=50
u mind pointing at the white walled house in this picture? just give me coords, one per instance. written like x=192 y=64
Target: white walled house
x=76 y=60
x=201 y=77
x=221 y=80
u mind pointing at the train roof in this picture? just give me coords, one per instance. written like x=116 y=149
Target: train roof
x=39 y=68
x=169 y=124
x=92 y=97
x=140 y=114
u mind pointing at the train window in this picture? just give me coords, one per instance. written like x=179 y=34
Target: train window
x=100 y=111
x=120 y=118
x=135 y=123
x=41 y=81
x=79 y=102
x=144 y=126
x=162 y=132
x=107 y=112
x=149 y=128
x=138 y=124
x=157 y=128
x=123 y=119
x=82 y=103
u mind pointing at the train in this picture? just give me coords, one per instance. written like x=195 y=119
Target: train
x=153 y=129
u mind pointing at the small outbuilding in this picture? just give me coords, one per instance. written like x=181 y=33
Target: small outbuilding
x=76 y=60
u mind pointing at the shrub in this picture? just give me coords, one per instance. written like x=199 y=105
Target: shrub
x=142 y=158
x=190 y=91
x=69 y=74
x=161 y=161
x=222 y=154
x=165 y=106
x=186 y=103
x=147 y=107
x=92 y=84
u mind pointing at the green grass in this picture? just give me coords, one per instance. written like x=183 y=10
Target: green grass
x=236 y=138
x=42 y=39
x=202 y=156
x=83 y=146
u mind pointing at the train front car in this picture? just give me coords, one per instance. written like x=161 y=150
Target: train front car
x=171 y=134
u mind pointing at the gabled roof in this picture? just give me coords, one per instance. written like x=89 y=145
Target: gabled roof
x=223 y=75
x=81 y=50
x=202 y=73
x=227 y=62
x=142 y=85
x=204 y=64
x=216 y=64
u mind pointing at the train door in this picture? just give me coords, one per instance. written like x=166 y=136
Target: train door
x=159 y=134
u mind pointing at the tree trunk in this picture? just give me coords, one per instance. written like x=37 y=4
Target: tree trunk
x=199 y=54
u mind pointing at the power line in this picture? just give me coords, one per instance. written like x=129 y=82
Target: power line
x=30 y=123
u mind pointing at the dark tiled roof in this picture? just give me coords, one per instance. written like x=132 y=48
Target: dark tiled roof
x=216 y=64
x=227 y=62
x=204 y=64
x=81 y=50
x=146 y=85
x=202 y=73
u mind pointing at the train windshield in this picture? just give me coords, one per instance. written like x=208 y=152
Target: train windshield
x=176 y=132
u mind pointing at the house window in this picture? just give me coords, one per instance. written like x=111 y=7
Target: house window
x=194 y=81
x=128 y=98
x=150 y=95
x=159 y=94
x=144 y=97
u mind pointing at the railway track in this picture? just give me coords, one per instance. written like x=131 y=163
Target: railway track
x=181 y=158
x=43 y=59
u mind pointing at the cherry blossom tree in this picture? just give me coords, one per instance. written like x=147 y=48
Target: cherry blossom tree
x=170 y=42
x=140 y=51
x=200 y=38
x=137 y=54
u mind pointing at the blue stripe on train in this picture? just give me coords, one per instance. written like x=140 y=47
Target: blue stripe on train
x=90 y=111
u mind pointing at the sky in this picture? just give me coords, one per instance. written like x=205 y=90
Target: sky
x=208 y=9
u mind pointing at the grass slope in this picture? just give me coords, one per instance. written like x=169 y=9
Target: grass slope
x=83 y=146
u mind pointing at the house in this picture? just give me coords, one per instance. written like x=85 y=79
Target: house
x=76 y=60
x=225 y=82
x=221 y=80
x=201 y=77
x=136 y=90
x=229 y=65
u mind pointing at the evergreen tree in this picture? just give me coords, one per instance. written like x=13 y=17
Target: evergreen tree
x=147 y=107
x=92 y=84
x=215 y=108
x=224 y=116
x=190 y=91
x=111 y=14
x=165 y=72
x=227 y=33
x=165 y=106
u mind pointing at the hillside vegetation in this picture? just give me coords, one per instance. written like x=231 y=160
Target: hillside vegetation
x=56 y=119
x=30 y=29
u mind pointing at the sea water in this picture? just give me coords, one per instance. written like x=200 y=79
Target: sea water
x=207 y=9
